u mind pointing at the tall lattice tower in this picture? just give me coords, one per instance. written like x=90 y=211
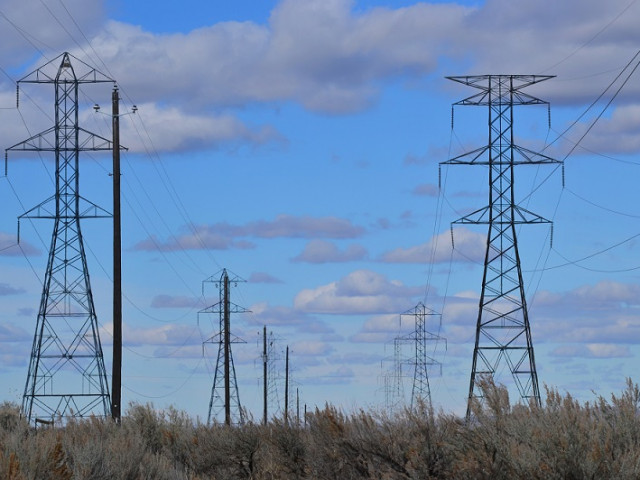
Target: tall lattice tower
x=421 y=361
x=224 y=393
x=67 y=376
x=503 y=333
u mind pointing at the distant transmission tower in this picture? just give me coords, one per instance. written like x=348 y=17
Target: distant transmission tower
x=224 y=393
x=421 y=361
x=503 y=333
x=393 y=388
x=67 y=376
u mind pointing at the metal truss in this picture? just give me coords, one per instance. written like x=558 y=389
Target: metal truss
x=67 y=376
x=503 y=334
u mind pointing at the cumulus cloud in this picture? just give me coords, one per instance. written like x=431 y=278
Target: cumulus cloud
x=617 y=134
x=469 y=247
x=170 y=334
x=222 y=236
x=319 y=53
x=264 y=314
x=327 y=55
x=321 y=251
x=360 y=292
x=171 y=129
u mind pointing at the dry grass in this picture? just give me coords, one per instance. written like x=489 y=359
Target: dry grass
x=563 y=439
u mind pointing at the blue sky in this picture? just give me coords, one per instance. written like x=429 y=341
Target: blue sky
x=296 y=143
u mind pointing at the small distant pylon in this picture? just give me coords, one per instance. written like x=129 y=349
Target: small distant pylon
x=393 y=385
x=421 y=361
x=225 y=397
x=67 y=376
x=503 y=333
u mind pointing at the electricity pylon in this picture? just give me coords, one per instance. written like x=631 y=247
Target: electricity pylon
x=392 y=378
x=67 y=376
x=503 y=331
x=224 y=393
x=421 y=361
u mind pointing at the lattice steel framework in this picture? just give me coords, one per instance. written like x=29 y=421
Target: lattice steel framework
x=67 y=376
x=422 y=361
x=392 y=378
x=225 y=398
x=503 y=331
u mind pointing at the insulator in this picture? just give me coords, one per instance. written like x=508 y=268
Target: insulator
x=549 y=115
x=17 y=95
x=563 y=175
x=439 y=177
x=551 y=237
x=451 y=117
x=18 y=237
x=452 y=242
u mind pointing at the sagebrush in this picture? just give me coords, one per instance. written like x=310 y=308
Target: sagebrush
x=562 y=439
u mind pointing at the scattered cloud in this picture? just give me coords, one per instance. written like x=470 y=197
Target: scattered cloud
x=360 y=292
x=6 y=289
x=321 y=251
x=592 y=350
x=172 y=301
x=427 y=190
x=172 y=130
x=311 y=348
x=170 y=334
x=319 y=53
x=12 y=333
x=9 y=246
x=262 y=277
x=222 y=236
x=467 y=246
x=264 y=314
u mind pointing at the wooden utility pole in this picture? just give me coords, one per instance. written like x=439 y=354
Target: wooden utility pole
x=264 y=372
x=286 y=388
x=116 y=375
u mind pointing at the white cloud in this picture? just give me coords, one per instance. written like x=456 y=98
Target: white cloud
x=617 y=134
x=172 y=129
x=328 y=56
x=468 y=246
x=319 y=53
x=170 y=334
x=360 y=292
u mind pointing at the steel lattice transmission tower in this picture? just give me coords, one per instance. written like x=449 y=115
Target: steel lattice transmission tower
x=224 y=393
x=421 y=392
x=503 y=333
x=392 y=378
x=67 y=376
